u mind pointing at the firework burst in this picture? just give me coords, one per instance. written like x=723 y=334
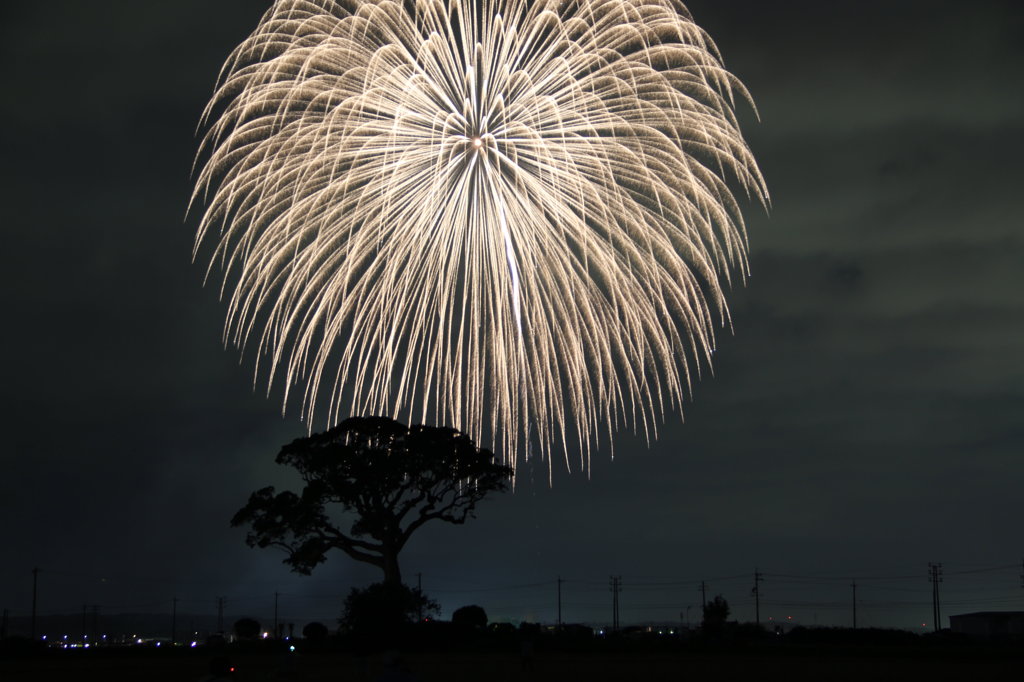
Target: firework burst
x=507 y=216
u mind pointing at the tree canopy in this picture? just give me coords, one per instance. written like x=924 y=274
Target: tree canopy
x=387 y=479
x=716 y=613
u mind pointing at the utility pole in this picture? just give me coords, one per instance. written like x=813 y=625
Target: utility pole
x=853 y=585
x=559 y=602
x=174 y=621
x=277 y=634
x=220 y=615
x=935 y=577
x=757 y=595
x=95 y=630
x=703 y=594
x=419 y=588
x=616 y=587
x=35 y=581
x=94 y=609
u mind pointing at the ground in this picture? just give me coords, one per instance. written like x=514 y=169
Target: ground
x=810 y=664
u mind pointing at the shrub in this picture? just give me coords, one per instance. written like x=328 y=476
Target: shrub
x=247 y=628
x=384 y=606
x=315 y=632
x=471 y=617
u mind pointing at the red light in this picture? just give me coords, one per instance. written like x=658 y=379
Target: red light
x=231 y=669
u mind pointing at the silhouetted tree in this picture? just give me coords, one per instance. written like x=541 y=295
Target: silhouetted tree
x=384 y=606
x=716 y=612
x=393 y=478
x=247 y=628
x=315 y=632
x=471 y=617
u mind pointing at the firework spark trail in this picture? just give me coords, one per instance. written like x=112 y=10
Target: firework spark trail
x=509 y=218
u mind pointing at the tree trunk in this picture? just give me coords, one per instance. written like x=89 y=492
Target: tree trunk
x=392 y=574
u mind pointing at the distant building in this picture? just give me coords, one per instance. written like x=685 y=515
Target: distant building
x=989 y=624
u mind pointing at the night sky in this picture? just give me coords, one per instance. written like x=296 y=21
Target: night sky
x=866 y=417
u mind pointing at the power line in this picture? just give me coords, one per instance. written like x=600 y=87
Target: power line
x=985 y=584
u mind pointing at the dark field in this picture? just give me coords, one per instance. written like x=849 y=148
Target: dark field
x=812 y=664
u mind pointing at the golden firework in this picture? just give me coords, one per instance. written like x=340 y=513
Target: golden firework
x=507 y=216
